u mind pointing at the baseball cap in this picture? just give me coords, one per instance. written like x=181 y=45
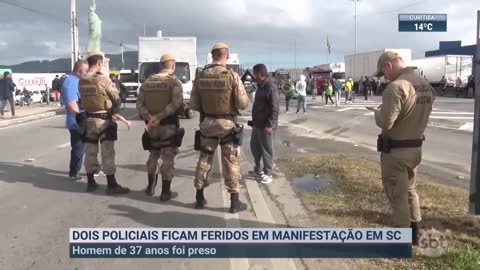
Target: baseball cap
x=384 y=59
x=167 y=57
x=93 y=53
x=220 y=45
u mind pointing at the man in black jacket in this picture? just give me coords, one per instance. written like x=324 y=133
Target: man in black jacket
x=264 y=122
x=7 y=90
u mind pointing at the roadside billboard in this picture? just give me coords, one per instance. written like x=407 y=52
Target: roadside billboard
x=34 y=81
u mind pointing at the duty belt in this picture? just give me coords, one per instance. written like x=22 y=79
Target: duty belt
x=171 y=120
x=104 y=116
x=230 y=117
x=406 y=143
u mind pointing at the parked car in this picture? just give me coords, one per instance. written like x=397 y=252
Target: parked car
x=36 y=96
x=18 y=97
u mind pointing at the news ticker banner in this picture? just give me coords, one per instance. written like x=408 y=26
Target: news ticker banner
x=240 y=243
x=422 y=22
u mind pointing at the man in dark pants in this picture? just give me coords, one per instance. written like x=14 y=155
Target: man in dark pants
x=264 y=122
x=70 y=98
x=7 y=88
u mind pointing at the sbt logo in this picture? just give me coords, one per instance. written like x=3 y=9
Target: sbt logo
x=433 y=243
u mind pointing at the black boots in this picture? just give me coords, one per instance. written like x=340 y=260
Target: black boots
x=200 y=199
x=91 y=184
x=113 y=187
x=415 y=232
x=236 y=205
x=166 y=194
x=152 y=184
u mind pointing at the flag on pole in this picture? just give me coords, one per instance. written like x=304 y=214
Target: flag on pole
x=328 y=45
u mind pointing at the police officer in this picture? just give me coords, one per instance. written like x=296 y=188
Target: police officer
x=218 y=94
x=159 y=99
x=100 y=101
x=403 y=116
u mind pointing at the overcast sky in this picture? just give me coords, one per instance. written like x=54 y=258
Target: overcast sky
x=260 y=31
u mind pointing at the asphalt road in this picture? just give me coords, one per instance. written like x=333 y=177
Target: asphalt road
x=447 y=150
x=38 y=203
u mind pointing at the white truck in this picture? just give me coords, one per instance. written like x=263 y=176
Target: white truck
x=233 y=62
x=365 y=64
x=129 y=79
x=150 y=49
x=450 y=66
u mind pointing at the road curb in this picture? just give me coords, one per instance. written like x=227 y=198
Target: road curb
x=30 y=118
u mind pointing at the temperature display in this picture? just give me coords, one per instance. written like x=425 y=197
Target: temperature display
x=422 y=22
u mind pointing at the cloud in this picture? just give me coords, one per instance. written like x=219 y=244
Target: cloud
x=259 y=31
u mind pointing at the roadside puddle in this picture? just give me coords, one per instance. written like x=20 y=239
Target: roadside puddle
x=311 y=183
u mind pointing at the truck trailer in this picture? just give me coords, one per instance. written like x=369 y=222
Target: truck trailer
x=450 y=66
x=365 y=64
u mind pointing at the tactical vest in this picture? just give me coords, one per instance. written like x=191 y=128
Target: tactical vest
x=216 y=91
x=92 y=97
x=158 y=93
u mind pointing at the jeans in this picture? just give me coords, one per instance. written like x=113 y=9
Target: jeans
x=287 y=102
x=348 y=96
x=301 y=102
x=337 y=97
x=261 y=145
x=4 y=103
x=77 y=152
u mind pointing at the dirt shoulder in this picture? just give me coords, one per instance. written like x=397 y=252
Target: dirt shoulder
x=340 y=184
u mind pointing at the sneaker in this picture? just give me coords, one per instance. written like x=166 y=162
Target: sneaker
x=266 y=179
x=256 y=174
x=75 y=178
x=99 y=174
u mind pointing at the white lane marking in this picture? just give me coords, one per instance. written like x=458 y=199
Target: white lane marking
x=29 y=160
x=346 y=109
x=263 y=214
x=231 y=220
x=65 y=145
x=369 y=114
x=29 y=122
x=467 y=127
x=465 y=113
x=452 y=117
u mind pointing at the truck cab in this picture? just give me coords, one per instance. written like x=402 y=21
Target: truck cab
x=129 y=79
x=322 y=75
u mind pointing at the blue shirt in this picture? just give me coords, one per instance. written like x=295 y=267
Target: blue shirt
x=69 y=92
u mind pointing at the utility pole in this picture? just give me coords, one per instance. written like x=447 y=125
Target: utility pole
x=355 y=30
x=474 y=199
x=295 y=52
x=74 y=32
x=123 y=61
x=144 y=29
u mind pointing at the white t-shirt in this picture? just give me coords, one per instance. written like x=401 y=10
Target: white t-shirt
x=301 y=88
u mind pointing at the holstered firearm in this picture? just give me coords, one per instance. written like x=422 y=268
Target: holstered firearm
x=383 y=144
x=197 y=145
x=111 y=133
x=146 y=143
x=178 y=139
x=237 y=134
x=81 y=119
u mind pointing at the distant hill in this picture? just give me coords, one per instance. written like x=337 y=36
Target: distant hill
x=62 y=65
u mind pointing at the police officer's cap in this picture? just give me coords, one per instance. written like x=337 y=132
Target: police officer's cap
x=386 y=57
x=219 y=46
x=94 y=53
x=167 y=57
